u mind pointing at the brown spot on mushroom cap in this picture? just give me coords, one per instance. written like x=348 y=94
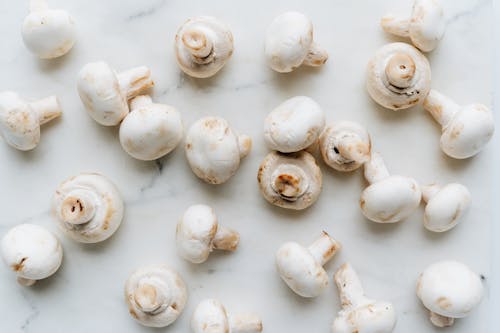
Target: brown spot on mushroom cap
x=443 y=302
x=20 y=265
x=132 y=313
x=109 y=212
x=456 y=131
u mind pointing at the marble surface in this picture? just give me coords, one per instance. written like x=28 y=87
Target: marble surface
x=86 y=294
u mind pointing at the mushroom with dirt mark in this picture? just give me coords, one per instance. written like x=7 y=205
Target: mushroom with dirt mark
x=360 y=313
x=20 y=121
x=88 y=208
x=449 y=290
x=32 y=252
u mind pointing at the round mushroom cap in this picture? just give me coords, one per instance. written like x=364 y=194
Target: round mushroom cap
x=294 y=125
x=210 y=317
x=446 y=207
x=374 y=317
x=427 y=24
x=449 y=288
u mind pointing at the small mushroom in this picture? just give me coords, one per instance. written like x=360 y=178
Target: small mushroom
x=48 y=33
x=388 y=199
x=425 y=27
x=20 y=121
x=214 y=150
x=198 y=233
x=203 y=45
x=150 y=130
x=345 y=146
x=294 y=125
x=105 y=93
x=466 y=129
x=155 y=295
x=398 y=76
x=360 y=313
x=289 y=43
x=449 y=290
x=210 y=316
x=302 y=267
x=88 y=208
x=32 y=252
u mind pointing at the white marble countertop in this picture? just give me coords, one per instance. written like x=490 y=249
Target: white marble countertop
x=86 y=294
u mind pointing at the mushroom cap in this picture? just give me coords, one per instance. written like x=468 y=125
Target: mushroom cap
x=373 y=317
x=446 y=207
x=31 y=251
x=387 y=94
x=294 y=125
x=449 y=288
x=427 y=24
x=210 y=317
x=391 y=199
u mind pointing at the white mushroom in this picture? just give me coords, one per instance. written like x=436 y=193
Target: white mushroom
x=105 y=93
x=32 y=252
x=88 y=208
x=155 y=295
x=20 y=121
x=198 y=233
x=388 y=199
x=203 y=45
x=360 y=313
x=48 y=33
x=398 y=76
x=214 y=150
x=345 y=146
x=294 y=125
x=425 y=27
x=210 y=316
x=449 y=290
x=289 y=43
x=150 y=130
x=302 y=267
x=466 y=129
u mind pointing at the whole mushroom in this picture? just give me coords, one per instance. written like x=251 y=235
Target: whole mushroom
x=289 y=43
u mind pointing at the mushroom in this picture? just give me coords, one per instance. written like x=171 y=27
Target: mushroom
x=88 y=208
x=150 y=130
x=203 y=45
x=398 y=76
x=210 y=316
x=105 y=93
x=48 y=33
x=445 y=205
x=449 y=290
x=294 y=125
x=466 y=129
x=156 y=295
x=425 y=27
x=291 y=181
x=214 y=150
x=302 y=268
x=198 y=233
x=360 y=313
x=32 y=252
x=345 y=146
x=289 y=43
x=20 y=121
x=388 y=199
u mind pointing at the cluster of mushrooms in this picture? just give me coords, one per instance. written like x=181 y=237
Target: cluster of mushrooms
x=88 y=208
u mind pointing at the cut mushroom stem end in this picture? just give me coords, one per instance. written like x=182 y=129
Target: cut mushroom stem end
x=289 y=181
x=47 y=109
x=316 y=56
x=400 y=70
x=78 y=207
x=441 y=321
x=245 y=323
x=146 y=298
x=396 y=25
x=352 y=149
x=324 y=248
x=226 y=239
x=196 y=41
x=135 y=81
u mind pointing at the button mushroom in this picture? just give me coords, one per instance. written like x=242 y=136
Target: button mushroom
x=466 y=129
x=210 y=316
x=105 y=93
x=360 y=313
x=289 y=43
x=449 y=290
x=214 y=150
x=88 y=208
x=48 y=33
x=388 y=199
x=425 y=27
x=20 y=121
x=345 y=146
x=302 y=267
x=294 y=125
x=398 y=76
x=203 y=45
x=155 y=295
x=32 y=252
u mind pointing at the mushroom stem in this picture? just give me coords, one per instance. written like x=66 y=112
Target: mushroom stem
x=140 y=101
x=396 y=25
x=289 y=181
x=245 y=323
x=352 y=148
x=25 y=282
x=226 y=239
x=244 y=144
x=349 y=286
x=316 y=56
x=38 y=5
x=375 y=169
x=78 y=207
x=47 y=109
x=400 y=70
x=324 y=248
x=135 y=81
x=146 y=298
x=440 y=321
x=198 y=44
x=428 y=191
x=440 y=107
